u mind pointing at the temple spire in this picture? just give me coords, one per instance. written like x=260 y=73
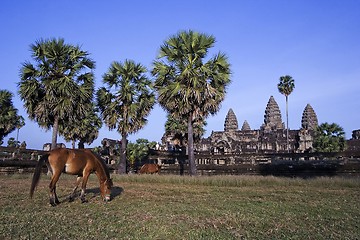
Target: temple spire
x=231 y=123
x=309 y=119
x=272 y=117
x=245 y=126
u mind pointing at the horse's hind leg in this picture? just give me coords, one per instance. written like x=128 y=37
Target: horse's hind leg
x=72 y=195
x=83 y=186
x=56 y=197
x=49 y=172
x=52 y=187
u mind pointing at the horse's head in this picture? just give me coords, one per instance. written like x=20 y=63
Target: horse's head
x=105 y=189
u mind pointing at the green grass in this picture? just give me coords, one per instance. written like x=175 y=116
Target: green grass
x=174 y=207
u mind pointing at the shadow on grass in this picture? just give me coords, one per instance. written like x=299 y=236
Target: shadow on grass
x=115 y=192
x=94 y=192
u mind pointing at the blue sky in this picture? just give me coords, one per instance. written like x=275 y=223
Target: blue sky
x=316 y=42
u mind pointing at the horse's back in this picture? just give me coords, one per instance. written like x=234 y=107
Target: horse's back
x=150 y=168
x=72 y=161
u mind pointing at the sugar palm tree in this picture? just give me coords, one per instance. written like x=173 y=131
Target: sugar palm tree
x=58 y=85
x=189 y=87
x=329 y=137
x=85 y=128
x=9 y=118
x=126 y=101
x=19 y=124
x=285 y=87
x=178 y=129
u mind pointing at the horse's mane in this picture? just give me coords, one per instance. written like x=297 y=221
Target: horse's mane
x=102 y=164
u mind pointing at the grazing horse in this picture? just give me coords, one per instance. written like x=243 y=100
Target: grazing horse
x=150 y=168
x=80 y=162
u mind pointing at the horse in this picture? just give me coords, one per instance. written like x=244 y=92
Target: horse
x=150 y=168
x=80 y=162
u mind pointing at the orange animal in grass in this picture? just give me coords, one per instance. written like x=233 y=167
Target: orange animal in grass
x=150 y=168
x=80 y=162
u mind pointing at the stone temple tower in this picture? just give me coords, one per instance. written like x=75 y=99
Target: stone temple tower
x=309 y=119
x=245 y=126
x=272 y=117
x=231 y=123
x=309 y=123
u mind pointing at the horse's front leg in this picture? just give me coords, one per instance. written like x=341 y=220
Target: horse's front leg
x=83 y=186
x=72 y=195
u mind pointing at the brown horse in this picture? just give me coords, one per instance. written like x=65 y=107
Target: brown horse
x=78 y=162
x=150 y=168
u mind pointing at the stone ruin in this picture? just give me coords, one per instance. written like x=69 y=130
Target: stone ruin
x=110 y=149
x=47 y=146
x=354 y=143
x=270 y=138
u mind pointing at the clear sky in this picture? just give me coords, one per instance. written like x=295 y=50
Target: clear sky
x=317 y=42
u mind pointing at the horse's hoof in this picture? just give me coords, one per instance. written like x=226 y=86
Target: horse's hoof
x=53 y=204
x=71 y=199
x=84 y=201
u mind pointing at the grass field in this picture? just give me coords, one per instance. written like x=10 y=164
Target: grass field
x=174 y=207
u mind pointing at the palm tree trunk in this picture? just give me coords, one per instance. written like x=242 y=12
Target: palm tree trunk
x=122 y=163
x=287 y=125
x=55 y=132
x=17 y=138
x=192 y=165
x=81 y=144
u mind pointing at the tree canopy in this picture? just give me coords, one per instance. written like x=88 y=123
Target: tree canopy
x=177 y=128
x=139 y=150
x=58 y=85
x=85 y=129
x=286 y=85
x=9 y=118
x=329 y=137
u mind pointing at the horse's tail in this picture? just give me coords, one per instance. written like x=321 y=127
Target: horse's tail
x=37 y=173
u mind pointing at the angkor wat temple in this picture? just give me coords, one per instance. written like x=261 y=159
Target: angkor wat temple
x=270 y=138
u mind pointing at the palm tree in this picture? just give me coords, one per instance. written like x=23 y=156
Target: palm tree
x=12 y=143
x=187 y=87
x=329 y=138
x=177 y=128
x=285 y=87
x=20 y=123
x=126 y=101
x=58 y=86
x=85 y=128
x=9 y=118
